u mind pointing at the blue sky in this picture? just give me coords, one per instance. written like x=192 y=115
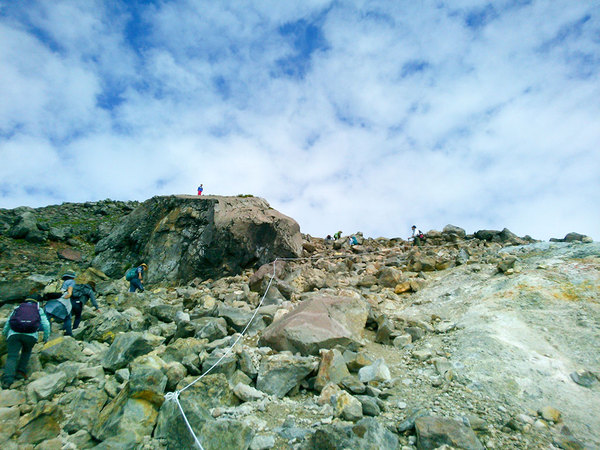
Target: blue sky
x=357 y=115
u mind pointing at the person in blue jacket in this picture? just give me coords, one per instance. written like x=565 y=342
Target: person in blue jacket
x=21 y=343
x=136 y=283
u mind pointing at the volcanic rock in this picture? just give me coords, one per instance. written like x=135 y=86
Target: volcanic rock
x=185 y=237
x=321 y=321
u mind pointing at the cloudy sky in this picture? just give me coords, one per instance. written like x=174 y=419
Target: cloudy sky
x=345 y=115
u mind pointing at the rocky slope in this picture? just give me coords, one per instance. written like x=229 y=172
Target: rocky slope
x=473 y=341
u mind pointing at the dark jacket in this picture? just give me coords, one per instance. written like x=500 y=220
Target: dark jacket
x=83 y=292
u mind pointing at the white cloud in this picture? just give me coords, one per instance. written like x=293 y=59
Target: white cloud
x=382 y=116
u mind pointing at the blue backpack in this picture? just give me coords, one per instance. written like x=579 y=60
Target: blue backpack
x=26 y=318
x=131 y=274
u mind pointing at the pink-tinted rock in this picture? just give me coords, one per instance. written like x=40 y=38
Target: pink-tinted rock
x=321 y=321
x=70 y=255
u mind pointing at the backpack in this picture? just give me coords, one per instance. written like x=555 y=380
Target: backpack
x=131 y=274
x=26 y=318
x=81 y=290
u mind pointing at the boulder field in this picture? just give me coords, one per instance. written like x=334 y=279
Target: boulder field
x=484 y=340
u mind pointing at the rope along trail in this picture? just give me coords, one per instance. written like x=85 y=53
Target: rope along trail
x=174 y=396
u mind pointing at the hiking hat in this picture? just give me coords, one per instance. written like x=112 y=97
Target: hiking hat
x=69 y=274
x=144 y=265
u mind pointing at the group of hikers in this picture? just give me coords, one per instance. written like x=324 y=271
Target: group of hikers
x=417 y=237
x=27 y=320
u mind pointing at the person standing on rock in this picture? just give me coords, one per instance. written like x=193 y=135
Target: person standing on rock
x=337 y=235
x=21 y=332
x=81 y=294
x=200 y=190
x=417 y=236
x=137 y=282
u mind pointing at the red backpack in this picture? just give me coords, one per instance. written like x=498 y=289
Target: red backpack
x=26 y=318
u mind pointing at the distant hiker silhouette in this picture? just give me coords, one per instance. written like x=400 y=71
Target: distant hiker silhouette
x=200 y=190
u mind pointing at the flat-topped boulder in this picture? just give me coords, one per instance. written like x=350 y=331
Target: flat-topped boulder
x=186 y=237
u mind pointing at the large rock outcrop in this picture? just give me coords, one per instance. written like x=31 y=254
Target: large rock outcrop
x=184 y=237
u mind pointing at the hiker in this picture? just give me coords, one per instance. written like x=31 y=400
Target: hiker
x=337 y=235
x=328 y=238
x=417 y=236
x=67 y=288
x=81 y=294
x=136 y=283
x=200 y=190
x=59 y=310
x=21 y=332
x=352 y=240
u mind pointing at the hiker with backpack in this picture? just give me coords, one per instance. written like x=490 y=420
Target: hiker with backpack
x=21 y=332
x=81 y=294
x=417 y=237
x=136 y=278
x=60 y=309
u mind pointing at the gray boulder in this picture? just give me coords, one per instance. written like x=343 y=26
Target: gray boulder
x=27 y=228
x=187 y=237
x=171 y=425
x=433 y=432
x=148 y=379
x=366 y=434
x=82 y=406
x=321 y=321
x=104 y=327
x=454 y=230
x=128 y=346
x=279 y=374
x=125 y=415
x=226 y=434
x=61 y=349
x=210 y=328
x=45 y=387
x=9 y=418
x=19 y=289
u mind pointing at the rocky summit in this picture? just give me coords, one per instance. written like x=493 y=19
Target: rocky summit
x=483 y=340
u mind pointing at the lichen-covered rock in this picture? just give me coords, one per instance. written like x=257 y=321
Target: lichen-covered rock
x=332 y=369
x=105 y=327
x=125 y=415
x=61 y=349
x=347 y=406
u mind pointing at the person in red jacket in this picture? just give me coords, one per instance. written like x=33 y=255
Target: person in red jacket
x=200 y=189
